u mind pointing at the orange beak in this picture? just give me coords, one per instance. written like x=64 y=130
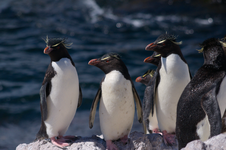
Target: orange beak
x=138 y=79
x=150 y=46
x=93 y=62
x=47 y=50
x=148 y=59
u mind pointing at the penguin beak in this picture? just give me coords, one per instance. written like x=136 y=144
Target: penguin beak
x=47 y=50
x=138 y=79
x=94 y=62
x=148 y=59
x=150 y=46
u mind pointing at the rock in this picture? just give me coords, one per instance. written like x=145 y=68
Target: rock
x=215 y=143
x=137 y=141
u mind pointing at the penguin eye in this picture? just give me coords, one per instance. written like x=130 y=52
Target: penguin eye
x=107 y=61
x=58 y=47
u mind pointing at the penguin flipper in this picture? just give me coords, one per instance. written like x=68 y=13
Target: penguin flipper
x=139 y=108
x=94 y=107
x=43 y=102
x=210 y=105
x=138 y=104
x=80 y=97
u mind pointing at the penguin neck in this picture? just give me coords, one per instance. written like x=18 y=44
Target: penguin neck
x=58 y=59
x=117 y=67
x=175 y=50
x=172 y=64
x=218 y=63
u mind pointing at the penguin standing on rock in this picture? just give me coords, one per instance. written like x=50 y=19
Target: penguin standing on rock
x=116 y=95
x=149 y=108
x=149 y=118
x=171 y=77
x=60 y=94
x=198 y=112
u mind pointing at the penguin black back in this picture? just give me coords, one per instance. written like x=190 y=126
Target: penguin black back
x=213 y=53
x=198 y=100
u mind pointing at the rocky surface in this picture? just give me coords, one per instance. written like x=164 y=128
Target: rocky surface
x=215 y=143
x=137 y=141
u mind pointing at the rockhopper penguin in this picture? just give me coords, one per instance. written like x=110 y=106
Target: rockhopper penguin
x=171 y=77
x=149 y=118
x=154 y=59
x=116 y=95
x=198 y=112
x=146 y=77
x=60 y=94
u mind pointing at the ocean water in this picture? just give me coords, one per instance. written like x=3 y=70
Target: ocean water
x=94 y=28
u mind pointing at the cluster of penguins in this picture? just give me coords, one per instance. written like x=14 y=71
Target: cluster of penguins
x=175 y=105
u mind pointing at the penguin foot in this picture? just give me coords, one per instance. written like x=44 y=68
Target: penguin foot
x=124 y=139
x=169 y=139
x=156 y=130
x=60 y=141
x=111 y=145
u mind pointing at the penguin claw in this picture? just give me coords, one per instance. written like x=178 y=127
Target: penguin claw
x=156 y=130
x=111 y=145
x=59 y=142
x=63 y=141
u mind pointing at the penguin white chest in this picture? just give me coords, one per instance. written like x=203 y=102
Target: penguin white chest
x=63 y=99
x=116 y=106
x=174 y=76
x=221 y=96
x=203 y=129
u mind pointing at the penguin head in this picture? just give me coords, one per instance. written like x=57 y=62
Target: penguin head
x=165 y=45
x=146 y=77
x=223 y=42
x=153 y=59
x=56 y=48
x=213 y=52
x=109 y=62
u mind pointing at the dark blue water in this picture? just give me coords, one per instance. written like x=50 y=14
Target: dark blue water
x=95 y=28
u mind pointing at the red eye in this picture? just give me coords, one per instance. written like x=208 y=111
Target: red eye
x=58 y=47
x=163 y=44
x=107 y=61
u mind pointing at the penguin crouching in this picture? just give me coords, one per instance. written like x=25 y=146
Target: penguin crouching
x=116 y=95
x=60 y=94
x=198 y=112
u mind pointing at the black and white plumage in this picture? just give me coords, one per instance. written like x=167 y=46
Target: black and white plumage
x=116 y=95
x=60 y=94
x=149 y=112
x=172 y=75
x=198 y=112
